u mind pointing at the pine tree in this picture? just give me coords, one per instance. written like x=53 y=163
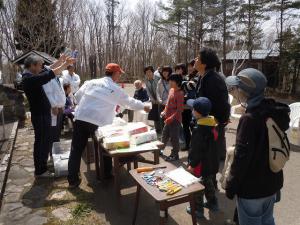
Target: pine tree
x=228 y=17
x=35 y=27
x=111 y=6
x=283 y=8
x=173 y=24
x=252 y=14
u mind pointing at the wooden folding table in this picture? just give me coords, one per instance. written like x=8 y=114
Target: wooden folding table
x=117 y=156
x=165 y=201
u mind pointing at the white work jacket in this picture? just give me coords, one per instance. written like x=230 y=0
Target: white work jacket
x=97 y=100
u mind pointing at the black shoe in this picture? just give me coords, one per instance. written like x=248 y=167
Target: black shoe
x=75 y=184
x=172 y=158
x=186 y=148
x=108 y=176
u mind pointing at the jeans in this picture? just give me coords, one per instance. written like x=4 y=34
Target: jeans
x=42 y=141
x=82 y=131
x=172 y=131
x=256 y=211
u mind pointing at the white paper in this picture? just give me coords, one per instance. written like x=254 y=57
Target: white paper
x=182 y=177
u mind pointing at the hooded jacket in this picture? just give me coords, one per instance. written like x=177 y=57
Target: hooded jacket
x=203 y=146
x=250 y=175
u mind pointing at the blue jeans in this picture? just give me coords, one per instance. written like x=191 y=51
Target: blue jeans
x=256 y=211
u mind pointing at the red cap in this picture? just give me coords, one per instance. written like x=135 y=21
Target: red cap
x=113 y=67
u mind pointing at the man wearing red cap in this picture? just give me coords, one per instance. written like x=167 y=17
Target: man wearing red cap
x=97 y=100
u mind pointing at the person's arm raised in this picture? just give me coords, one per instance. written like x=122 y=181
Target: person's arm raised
x=68 y=61
x=58 y=62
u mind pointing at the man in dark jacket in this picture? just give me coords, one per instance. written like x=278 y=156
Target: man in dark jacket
x=212 y=86
x=251 y=178
x=203 y=156
x=34 y=78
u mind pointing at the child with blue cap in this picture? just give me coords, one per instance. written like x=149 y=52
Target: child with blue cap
x=203 y=156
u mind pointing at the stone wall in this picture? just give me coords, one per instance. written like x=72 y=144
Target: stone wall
x=13 y=101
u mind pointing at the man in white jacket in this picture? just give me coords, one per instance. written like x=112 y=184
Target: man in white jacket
x=97 y=100
x=70 y=77
x=55 y=93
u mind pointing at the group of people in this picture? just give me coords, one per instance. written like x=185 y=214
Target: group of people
x=191 y=103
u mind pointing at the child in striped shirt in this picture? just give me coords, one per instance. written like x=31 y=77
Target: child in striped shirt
x=172 y=116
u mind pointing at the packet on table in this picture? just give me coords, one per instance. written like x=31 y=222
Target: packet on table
x=143 y=137
x=136 y=128
x=117 y=142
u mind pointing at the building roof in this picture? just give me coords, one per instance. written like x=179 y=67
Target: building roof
x=46 y=57
x=256 y=54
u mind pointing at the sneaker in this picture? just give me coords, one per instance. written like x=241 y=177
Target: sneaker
x=211 y=207
x=199 y=214
x=73 y=185
x=46 y=174
x=229 y=222
x=172 y=158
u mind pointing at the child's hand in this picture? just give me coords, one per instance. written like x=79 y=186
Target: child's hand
x=190 y=169
x=162 y=114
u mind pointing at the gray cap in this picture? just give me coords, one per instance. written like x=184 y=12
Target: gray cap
x=250 y=80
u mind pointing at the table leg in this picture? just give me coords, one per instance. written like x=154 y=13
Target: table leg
x=117 y=176
x=156 y=157
x=162 y=213
x=137 y=200
x=96 y=151
x=193 y=209
x=135 y=164
x=3 y=123
x=128 y=166
x=100 y=160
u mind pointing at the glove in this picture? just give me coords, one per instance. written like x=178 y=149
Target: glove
x=229 y=194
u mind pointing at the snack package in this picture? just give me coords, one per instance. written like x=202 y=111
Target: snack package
x=136 y=128
x=143 y=137
x=111 y=131
x=117 y=142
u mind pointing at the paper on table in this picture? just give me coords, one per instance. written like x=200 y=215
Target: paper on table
x=182 y=177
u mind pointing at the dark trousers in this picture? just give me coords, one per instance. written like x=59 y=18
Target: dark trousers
x=56 y=130
x=172 y=131
x=209 y=193
x=186 y=124
x=42 y=141
x=221 y=142
x=81 y=133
